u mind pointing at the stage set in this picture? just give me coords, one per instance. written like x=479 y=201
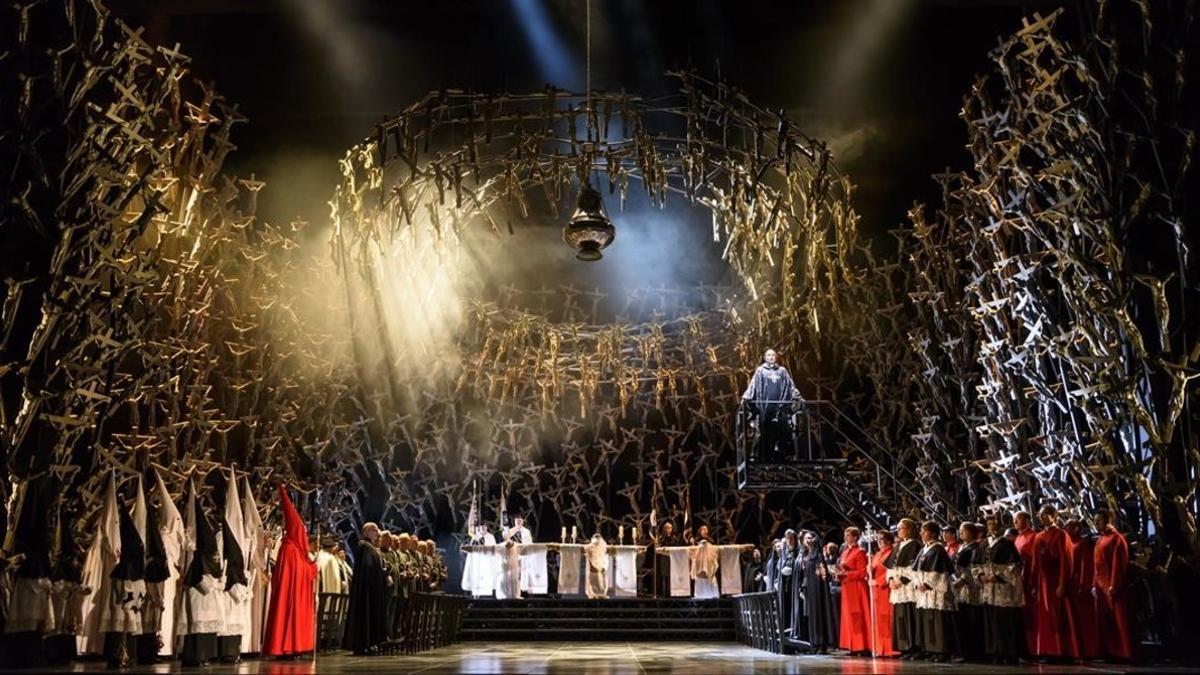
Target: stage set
x=589 y=336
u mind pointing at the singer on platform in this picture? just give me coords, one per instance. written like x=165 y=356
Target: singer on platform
x=768 y=400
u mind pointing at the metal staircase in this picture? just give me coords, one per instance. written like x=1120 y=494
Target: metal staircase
x=876 y=487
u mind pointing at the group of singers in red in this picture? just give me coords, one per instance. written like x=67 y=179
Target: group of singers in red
x=983 y=592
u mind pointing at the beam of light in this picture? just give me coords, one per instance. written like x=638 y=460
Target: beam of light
x=861 y=48
x=554 y=60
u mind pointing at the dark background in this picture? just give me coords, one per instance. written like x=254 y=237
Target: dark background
x=881 y=80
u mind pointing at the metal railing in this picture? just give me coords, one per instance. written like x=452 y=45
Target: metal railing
x=756 y=621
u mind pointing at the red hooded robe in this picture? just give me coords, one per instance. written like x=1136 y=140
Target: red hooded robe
x=291 y=627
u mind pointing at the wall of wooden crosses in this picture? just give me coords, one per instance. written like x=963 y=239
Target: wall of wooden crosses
x=1028 y=338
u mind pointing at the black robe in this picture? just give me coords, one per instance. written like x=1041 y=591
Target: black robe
x=751 y=569
x=366 y=620
x=131 y=566
x=1003 y=621
x=969 y=617
x=904 y=614
x=662 y=564
x=818 y=602
x=200 y=648
x=787 y=590
x=156 y=572
x=935 y=625
x=835 y=594
x=31 y=537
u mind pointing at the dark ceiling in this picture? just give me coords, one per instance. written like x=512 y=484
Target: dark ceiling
x=882 y=80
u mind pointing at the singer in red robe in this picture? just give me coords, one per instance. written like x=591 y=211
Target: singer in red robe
x=1052 y=570
x=291 y=626
x=1024 y=543
x=880 y=593
x=1083 y=603
x=854 y=634
x=1110 y=581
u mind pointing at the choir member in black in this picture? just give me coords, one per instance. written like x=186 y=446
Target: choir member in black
x=66 y=593
x=968 y=592
x=903 y=590
x=768 y=400
x=1000 y=578
x=149 y=641
x=230 y=645
x=818 y=602
x=753 y=580
x=787 y=590
x=662 y=564
x=129 y=580
x=366 y=620
x=770 y=569
x=935 y=596
x=832 y=558
x=28 y=547
x=201 y=605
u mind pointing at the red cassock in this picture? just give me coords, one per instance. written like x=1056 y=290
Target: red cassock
x=854 y=633
x=1024 y=543
x=1111 y=570
x=883 y=605
x=1052 y=569
x=1083 y=603
x=290 y=627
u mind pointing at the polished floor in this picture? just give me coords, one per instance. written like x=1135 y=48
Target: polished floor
x=605 y=659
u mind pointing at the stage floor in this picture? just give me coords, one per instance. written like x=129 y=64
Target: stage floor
x=602 y=659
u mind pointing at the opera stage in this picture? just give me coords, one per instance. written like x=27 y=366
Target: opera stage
x=608 y=658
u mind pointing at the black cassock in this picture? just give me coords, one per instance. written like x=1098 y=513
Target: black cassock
x=662 y=564
x=786 y=571
x=935 y=613
x=970 y=608
x=818 y=601
x=749 y=584
x=769 y=398
x=131 y=566
x=904 y=613
x=367 y=617
x=1003 y=598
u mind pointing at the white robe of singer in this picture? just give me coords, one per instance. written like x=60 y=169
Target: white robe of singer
x=596 y=554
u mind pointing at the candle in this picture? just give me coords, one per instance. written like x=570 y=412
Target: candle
x=564 y=533
x=620 y=534
x=574 y=532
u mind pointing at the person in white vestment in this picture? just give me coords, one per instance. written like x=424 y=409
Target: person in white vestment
x=236 y=596
x=705 y=561
x=201 y=614
x=329 y=569
x=596 y=553
x=519 y=534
